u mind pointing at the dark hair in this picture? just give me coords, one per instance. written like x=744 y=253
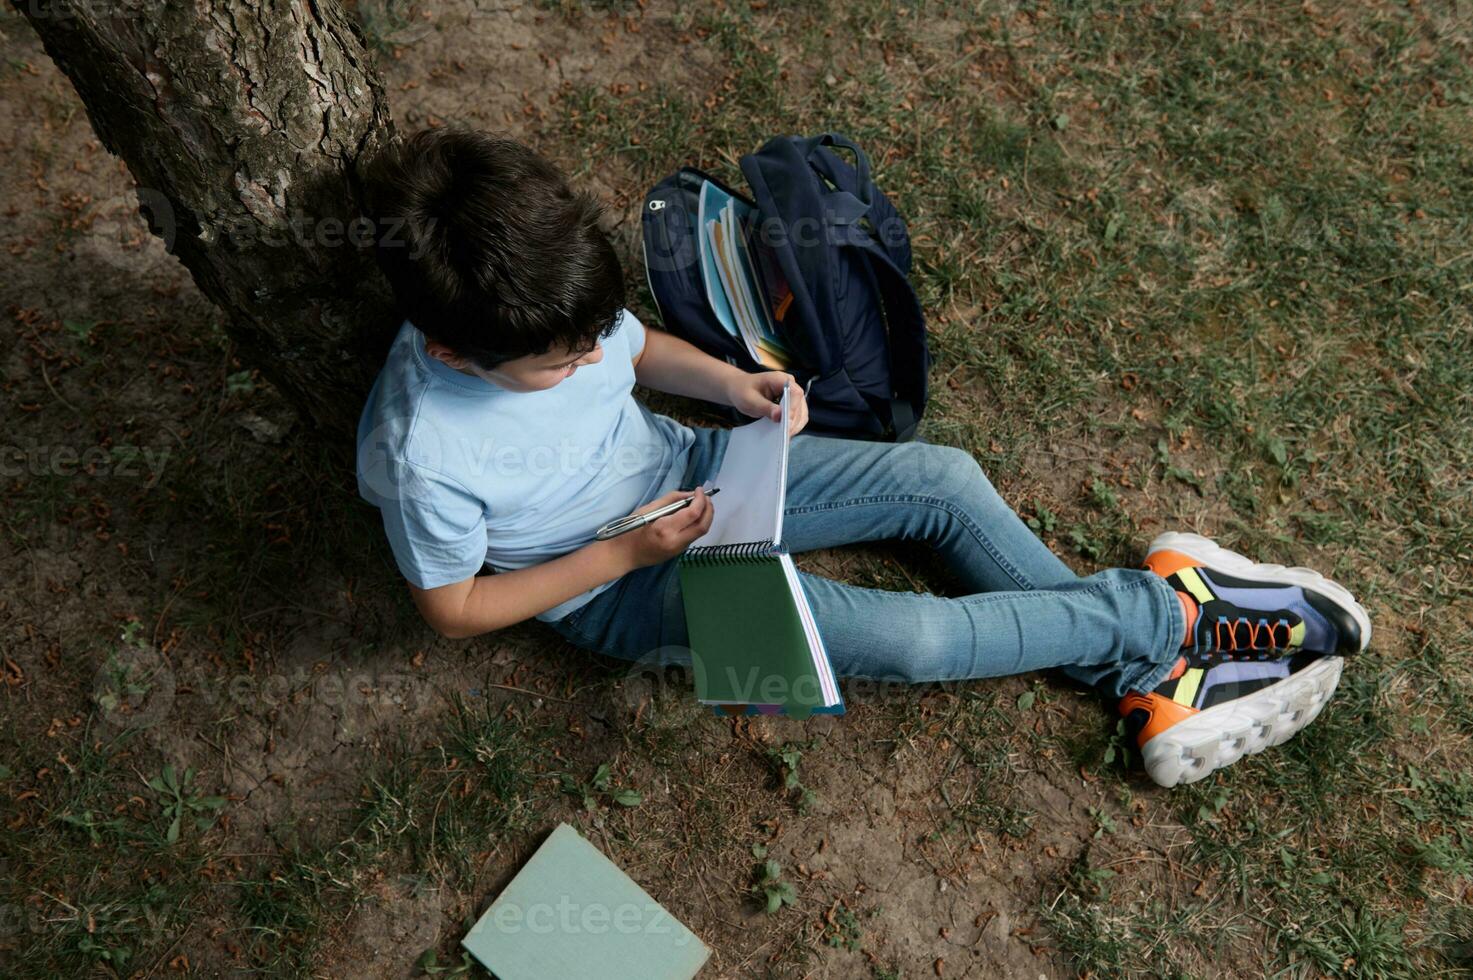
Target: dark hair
x=488 y=249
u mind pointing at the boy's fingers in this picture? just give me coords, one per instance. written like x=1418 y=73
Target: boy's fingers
x=698 y=528
x=773 y=382
x=701 y=522
x=687 y=516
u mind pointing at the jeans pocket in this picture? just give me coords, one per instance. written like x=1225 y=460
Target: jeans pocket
x=579 y=626
x=567 y=628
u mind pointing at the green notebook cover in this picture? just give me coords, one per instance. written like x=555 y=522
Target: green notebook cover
x=746 y=635
x=571 y=914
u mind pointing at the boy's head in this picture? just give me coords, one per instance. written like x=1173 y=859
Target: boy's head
x=494 y=256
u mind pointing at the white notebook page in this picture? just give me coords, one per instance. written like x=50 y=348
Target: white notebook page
x=753 y=481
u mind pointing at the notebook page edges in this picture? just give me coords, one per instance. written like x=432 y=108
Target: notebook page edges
x=827 y=682
x=753 y=486
x=782 y=475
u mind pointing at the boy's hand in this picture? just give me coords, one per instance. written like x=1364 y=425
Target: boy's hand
x=669 y=536
x=756 y=395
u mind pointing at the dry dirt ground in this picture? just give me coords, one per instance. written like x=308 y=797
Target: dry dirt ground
x=159 y=483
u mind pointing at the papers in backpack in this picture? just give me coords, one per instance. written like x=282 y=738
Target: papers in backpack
x=733 y=278
x=571 y=912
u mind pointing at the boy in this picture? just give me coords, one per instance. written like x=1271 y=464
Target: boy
x=502 y=433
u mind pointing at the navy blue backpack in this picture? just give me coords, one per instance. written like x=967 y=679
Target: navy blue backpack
x=855 y=326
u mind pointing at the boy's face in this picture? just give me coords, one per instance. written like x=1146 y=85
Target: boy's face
x=532 y=373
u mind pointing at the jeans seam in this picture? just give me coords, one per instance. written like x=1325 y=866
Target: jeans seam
x=979 y=598
x=1176 y=633
x=1094 y=589
x=1021 y=580
x=569 y=627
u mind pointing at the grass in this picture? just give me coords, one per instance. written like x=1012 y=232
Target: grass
x=129 y=888
x=1191 y=265
x=1223 y=250
x=430 y=814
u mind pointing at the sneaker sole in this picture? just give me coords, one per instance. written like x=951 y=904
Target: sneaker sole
x=1214 y=555
x=1219 y=736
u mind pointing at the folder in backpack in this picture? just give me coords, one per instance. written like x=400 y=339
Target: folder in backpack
x=755 y=645
x=709 y=205
x=730 y=276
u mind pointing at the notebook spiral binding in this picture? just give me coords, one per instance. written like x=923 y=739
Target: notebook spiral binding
x=729 y=554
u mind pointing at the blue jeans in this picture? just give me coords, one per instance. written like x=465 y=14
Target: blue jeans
x=1118 y=630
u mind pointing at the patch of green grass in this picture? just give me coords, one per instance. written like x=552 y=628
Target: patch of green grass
x=771 y=889
x=784 y=760
x=282 y=910
x=436 y=810
x=441 y=807
x=91 y=880
x=598 y=788
x=1106 y=937
x=980 y=788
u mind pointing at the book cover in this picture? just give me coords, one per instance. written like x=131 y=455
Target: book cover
x=572 y=913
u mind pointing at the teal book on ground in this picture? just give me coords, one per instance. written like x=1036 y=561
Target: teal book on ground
x=755 y=645
x=571 y=914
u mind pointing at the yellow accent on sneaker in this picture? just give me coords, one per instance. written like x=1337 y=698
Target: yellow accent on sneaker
x=1186 y=688
x=1195 y=585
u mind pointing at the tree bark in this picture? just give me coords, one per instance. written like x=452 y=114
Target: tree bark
x=244 y=123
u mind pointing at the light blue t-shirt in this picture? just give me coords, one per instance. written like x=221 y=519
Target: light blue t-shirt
x=468 y=473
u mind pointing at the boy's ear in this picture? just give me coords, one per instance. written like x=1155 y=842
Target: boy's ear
x=444 y=354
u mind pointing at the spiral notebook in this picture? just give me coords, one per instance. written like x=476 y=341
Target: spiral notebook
x=754 y=643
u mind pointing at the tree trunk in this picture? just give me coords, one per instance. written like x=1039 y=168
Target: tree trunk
x=244 y=123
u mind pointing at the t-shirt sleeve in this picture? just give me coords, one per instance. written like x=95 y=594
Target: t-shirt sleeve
x=634 y=334
x=436 y=529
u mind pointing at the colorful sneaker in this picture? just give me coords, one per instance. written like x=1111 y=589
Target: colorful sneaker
x=1247 y=610
x=1206 y=717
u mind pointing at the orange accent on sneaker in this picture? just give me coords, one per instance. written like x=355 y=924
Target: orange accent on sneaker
x=1189 y=610
x=1255 y=631
x=1177 y=670
x=1163 y=712
x=1168 y=563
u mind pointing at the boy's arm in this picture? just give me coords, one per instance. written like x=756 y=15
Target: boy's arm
x=678 y=367
x=484 y=603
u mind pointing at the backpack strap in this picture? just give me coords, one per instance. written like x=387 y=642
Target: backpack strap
x=820 y=162
x=906 y=337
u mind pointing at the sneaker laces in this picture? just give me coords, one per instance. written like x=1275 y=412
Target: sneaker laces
x=1234 y=636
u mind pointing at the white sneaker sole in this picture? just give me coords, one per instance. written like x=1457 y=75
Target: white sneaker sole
x=1217 y=737
x=1214 y=555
